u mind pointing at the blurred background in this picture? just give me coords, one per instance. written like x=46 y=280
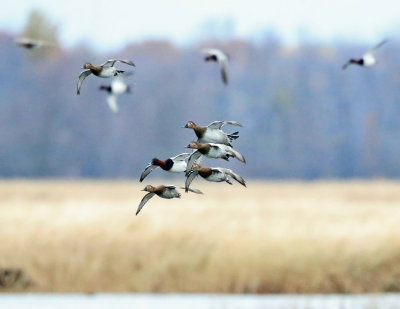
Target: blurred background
x=303 y=116
x=69 y=167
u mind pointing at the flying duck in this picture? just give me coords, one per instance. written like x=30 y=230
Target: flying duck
x=211 y=150
x=366 y=60
x=104 y=70
x=217 y=55
x=116 y=88
x=29 y=43
x=215 y=174
x=175 y=164
x=213 y=133
x=164 y=191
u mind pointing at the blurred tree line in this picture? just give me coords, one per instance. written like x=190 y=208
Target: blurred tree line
x=303 y=116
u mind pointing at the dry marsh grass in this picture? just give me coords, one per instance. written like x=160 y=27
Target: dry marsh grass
x=319 y=237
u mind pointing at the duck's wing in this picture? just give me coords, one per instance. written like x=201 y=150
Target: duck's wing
x=170 y=187
x=192 y=159
x=111 y=62
x=233 y=152
x=112 y=103
x=218 y=124
x=122 y=76
x=235 y=176
x=374 y=48
x=172 y=190
x=224 y=74
x=181 y=157
x=210 y=51
x=191 y=190
x=190 y=177
x=144 y=201
x=344 y=67
x=81 y=78
x=149 y=168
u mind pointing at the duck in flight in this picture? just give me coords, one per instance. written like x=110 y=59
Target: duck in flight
x=214 y=174
x=116 y=88
x=211 y=150
x=31 y=44
x=217 y=55
x=213 y=133
x=367 y=59
x=105 y=70
x=175 y=164
x=164 y=191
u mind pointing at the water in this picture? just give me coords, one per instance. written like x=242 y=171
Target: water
x=198 y=301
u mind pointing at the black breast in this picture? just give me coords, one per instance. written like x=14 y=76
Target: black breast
x=211 y=58
x=168 y=165
x=359 y=61
x=30 y=45
x=106 y=88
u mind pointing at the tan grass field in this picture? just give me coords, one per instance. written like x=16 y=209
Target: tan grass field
x=317 y=237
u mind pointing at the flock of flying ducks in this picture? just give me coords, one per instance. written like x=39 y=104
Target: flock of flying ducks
x=211 y=142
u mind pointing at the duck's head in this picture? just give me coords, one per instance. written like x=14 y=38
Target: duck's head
x=190 y=125
x=193 y=145
x=87 y=65
x=148 y=188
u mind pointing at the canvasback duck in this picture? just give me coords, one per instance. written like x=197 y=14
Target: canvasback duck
x=214 y=174
x=104 y=70
x=29 y=43
x=116 y=88
x=211 y=150
x=213 y=133
x=217 y=55
x=175 y=164
x=366 y=60
x=164 y=191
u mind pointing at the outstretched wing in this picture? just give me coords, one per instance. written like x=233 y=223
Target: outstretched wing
x=181 y=157
x=192 y=190
x=144 y=201
x=235 y=176
x=235 y=153
x=224 y=75
x=210 y=51
x=344 y=67
x=122 y=76
x=81 y=78
x=374 y=48
x=192 y=159
x=170 y=187
x=112 y=103
x=192 y=175
x=149 y=168
x=111 y=62
x=219 y=124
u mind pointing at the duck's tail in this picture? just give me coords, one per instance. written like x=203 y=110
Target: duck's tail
x=233 y=136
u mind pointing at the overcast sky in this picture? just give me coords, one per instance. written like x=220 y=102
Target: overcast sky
x=109 y=24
